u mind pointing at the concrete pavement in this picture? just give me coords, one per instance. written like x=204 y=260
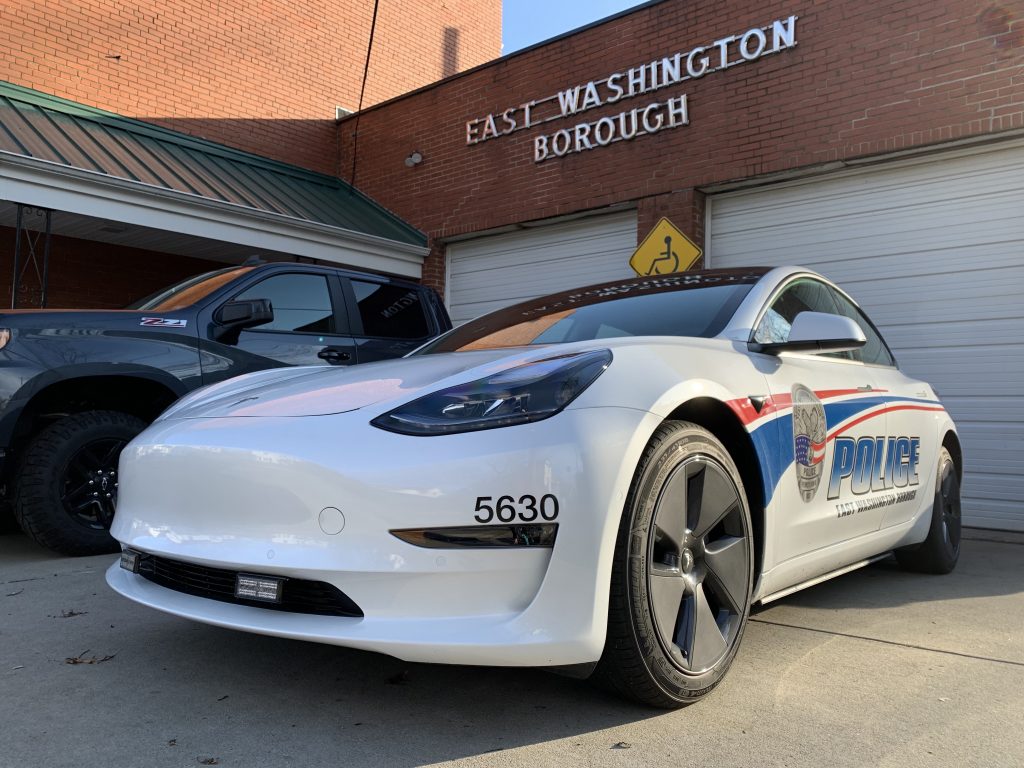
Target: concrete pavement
x=876 y=668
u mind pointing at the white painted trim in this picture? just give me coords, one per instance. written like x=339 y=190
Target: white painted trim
x=709 y=201
x=52 y=185
x=628 y=205
x=447 y=277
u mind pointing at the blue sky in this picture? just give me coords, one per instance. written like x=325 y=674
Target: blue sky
x=526 y=22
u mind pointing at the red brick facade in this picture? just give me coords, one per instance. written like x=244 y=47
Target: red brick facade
x=92 y=275
x=264 y=77
x=863 y=79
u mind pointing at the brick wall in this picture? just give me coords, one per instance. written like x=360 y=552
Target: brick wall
x=85 y=274
x=261 y=76
x=863 y=79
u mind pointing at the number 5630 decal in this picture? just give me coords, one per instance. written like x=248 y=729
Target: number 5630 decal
x=505 y=509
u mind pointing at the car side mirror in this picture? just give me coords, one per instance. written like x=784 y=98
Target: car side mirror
x=817 y=332
x=235 y=316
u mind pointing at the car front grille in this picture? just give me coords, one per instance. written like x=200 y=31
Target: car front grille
x=298 y=595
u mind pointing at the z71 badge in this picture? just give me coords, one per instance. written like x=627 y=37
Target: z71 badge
x=163 y=322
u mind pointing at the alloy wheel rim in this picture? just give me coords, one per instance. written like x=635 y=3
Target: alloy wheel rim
x=948 y=499
x=698 y=565
x=89 y=487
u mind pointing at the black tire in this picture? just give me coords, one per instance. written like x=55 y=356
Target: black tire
x=67 y=481
x=940 y=551
x=682 y=572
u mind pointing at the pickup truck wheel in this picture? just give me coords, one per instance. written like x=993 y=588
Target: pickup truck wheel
x=67 y=482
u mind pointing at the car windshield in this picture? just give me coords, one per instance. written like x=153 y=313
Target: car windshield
x=687 y=304
x=188 y=291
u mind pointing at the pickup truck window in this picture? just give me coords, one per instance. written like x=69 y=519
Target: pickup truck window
x=302 y=303
x=189 y=291
x=390 y=311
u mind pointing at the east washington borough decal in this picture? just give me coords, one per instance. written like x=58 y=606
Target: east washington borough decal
x=809 y=431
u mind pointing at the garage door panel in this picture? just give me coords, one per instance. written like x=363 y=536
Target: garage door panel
x=935 y=292
x=610 y=258
x=967 y=372
x=979 y=408
x=932 y=249
x=813 y=200
x=925 y=259
x=532 y=249
x=488 y=273
x=523 y=285
x=878 y=235
x=955 y=333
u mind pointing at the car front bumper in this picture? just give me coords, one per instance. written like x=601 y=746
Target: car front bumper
x=249 y=494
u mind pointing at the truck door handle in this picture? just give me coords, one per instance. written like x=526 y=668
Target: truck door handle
x=333 y=355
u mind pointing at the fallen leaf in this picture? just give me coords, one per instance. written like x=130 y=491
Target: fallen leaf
x=72 y=612
x=622 y=745
x=81 y=659
x=209 y=761
x=172 y=743
x=223 y=697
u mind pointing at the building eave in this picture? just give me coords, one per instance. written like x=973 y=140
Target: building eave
x=45 y=184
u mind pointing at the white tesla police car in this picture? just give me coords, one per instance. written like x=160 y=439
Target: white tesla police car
x=603 y=480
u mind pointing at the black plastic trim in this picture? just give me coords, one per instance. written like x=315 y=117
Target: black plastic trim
x=516 y=536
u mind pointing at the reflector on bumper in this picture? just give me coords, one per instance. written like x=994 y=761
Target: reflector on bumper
x=480 y=536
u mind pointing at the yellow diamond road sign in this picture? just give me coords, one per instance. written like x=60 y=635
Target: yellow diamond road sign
x=664 y=250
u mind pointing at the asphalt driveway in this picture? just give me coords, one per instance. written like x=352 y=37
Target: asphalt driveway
x=876 y=668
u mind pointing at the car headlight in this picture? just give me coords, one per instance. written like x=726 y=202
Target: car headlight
x=529 y=392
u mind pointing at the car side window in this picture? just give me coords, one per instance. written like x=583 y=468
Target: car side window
x=390 y=311
x=875 y=350
x=301 y=302
x=802 y=295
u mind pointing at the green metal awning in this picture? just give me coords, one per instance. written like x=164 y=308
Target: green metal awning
x=49 y=132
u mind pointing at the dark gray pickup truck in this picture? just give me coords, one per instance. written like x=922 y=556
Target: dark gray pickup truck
x=77 y=385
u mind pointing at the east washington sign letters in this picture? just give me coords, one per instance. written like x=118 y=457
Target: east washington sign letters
x=655 y=116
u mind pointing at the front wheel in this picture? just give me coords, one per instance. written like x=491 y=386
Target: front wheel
x=67 y=482
x=682 y=574
x=940 y=551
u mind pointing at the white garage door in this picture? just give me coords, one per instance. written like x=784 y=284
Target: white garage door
x=489 y=273
x=934 y=251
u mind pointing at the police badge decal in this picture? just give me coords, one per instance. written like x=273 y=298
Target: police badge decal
x=809 y=430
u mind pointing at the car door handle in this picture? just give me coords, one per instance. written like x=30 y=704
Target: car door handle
x=866 y=388
x=333 y=355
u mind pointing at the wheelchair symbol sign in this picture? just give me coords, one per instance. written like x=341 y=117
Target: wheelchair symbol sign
x=665 y=250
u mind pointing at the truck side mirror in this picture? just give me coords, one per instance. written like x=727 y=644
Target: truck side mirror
x=233 y=317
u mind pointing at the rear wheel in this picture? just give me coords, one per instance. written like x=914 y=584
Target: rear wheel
x=67 y=482
x=941 y=550
x=683 y=572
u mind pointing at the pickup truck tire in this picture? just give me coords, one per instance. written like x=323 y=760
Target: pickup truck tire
x=67 y=482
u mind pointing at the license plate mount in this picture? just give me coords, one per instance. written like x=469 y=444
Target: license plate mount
x=265 y=589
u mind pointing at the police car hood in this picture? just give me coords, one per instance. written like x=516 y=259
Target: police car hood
x=319 y=390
